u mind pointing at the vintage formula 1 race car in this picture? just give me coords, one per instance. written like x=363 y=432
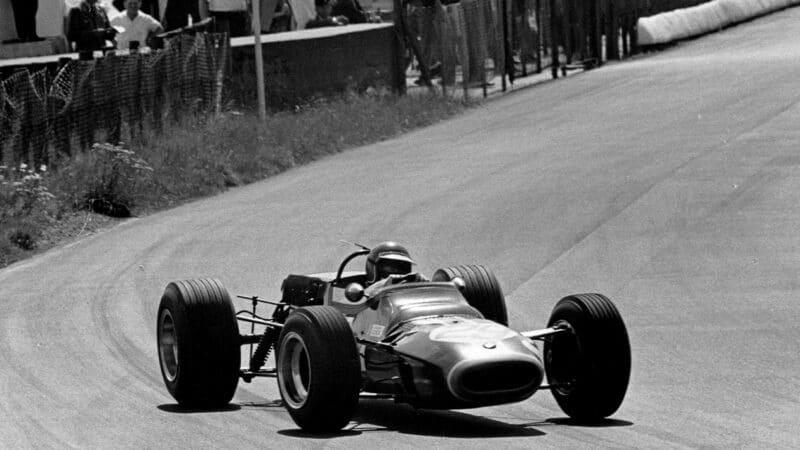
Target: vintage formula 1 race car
x=440 y=344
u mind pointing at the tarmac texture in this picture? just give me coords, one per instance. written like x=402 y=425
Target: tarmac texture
x=669 y=182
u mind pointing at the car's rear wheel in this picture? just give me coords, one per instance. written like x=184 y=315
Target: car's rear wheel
x=319 y=373
x=589 y=366
x=482 y=290
x=198 y=343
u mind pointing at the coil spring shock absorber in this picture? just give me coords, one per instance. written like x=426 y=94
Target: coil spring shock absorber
x=263 y=349
x=269 y=339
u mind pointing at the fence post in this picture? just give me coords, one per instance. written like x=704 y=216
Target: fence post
x=553 y=40
x=612 y=41
x=400 y=48
x=259 y=56
x=522 y=13
x=539 y=36
x=597 y=33
x=625 y=34
x=507 y=54
x=634 y=31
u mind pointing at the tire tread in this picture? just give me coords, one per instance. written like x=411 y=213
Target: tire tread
x=603 y=338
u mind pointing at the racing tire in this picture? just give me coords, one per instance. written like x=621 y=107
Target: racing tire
x=198 y=343
x=482 y=290
x=589 y=367
x=319 y=371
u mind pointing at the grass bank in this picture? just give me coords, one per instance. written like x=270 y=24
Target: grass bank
x=194 y=158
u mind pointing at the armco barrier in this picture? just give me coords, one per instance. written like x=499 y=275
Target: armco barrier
x=704 y=18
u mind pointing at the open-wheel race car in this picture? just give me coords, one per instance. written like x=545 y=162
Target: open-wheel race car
x=438 y=344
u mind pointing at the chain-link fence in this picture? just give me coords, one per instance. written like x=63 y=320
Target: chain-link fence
x=45 y=117
x=476 y=39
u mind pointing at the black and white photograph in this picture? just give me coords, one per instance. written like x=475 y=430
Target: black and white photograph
x=399 y=224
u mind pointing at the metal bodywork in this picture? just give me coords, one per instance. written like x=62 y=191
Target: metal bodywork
x=421 y=342
x=426 y=345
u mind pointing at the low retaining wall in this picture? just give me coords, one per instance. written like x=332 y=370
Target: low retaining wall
x=300 y=65
x=701 y=19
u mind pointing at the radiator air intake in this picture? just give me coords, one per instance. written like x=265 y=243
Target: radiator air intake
x=510 y=380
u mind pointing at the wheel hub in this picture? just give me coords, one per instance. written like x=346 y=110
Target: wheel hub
x=294 y=370
x=168 y=345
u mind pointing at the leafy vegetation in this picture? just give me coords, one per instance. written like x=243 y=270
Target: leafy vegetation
x=193 y=158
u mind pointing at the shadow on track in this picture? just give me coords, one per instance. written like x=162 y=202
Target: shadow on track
x=566 y=421
x=308 y=435
x=175 y=408
x=385 y=415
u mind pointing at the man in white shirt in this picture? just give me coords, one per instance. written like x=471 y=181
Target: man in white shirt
x=136 y=25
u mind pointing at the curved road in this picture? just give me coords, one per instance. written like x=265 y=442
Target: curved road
x=669 y=183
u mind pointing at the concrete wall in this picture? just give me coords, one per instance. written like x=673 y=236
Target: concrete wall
x=304 y=64
x=298 y=65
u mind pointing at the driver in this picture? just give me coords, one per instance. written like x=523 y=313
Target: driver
x=389 y=263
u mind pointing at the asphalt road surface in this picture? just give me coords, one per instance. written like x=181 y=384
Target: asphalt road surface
x=671 y=183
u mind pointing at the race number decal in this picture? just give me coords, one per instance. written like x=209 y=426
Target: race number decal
x=376 y=330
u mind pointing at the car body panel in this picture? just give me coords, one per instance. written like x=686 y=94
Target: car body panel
x=446 y=354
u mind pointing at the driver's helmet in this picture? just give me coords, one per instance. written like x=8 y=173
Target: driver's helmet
x=388 y=258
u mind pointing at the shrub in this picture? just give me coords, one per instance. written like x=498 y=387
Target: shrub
x=22 y=190
x=25 y=206
x=106 y=180
x=195 y=157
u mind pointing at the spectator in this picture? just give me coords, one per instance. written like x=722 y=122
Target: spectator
x=425 y=31
x=89 y=27
x=136 y=25
x=350 y=9
x=324 y=18
x=277 y=20
x=148 y=6
x=177 y=13
x=230 y=16
x=25 y=19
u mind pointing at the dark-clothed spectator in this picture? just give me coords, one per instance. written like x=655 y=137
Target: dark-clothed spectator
x=324 y=18
x=89 y=27
x=137 y=26
x=230 y=16
x=177 y=13
x=350 y=9
x=279 y=20
x=422 y=27
x=25 y=19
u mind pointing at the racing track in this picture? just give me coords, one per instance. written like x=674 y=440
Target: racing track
x=669 y=183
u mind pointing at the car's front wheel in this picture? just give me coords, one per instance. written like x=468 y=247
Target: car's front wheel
x=198 y=343
x=588 y=366
x=319 y=373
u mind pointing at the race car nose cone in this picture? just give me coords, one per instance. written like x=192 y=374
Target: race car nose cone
x=499 y=377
